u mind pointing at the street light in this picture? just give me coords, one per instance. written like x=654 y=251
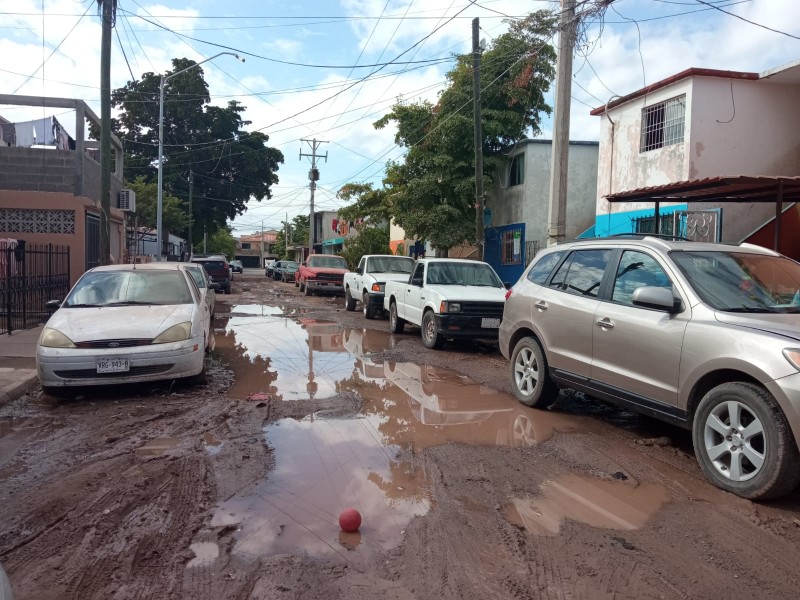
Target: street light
x=164 y=80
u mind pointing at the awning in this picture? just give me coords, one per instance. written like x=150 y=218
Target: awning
x=720 y=190
x=333 y=242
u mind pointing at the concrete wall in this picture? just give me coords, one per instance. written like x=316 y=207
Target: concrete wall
x=77 y=240
x=529 y=203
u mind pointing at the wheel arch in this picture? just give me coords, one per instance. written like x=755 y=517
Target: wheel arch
x=711 y=380
x=521 y=333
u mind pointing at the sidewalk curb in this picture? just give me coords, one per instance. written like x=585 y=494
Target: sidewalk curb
x=24 y=384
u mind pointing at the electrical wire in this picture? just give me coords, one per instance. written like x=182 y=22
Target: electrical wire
x=748 y=20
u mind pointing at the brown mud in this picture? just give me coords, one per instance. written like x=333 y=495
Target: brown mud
x=232 y=489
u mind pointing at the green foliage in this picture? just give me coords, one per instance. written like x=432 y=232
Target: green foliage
x=222 y=242
x=298 y=236
x=174 y=214
x=431 y=193
x=370 y=240
x=371 y=206
x=231 y=165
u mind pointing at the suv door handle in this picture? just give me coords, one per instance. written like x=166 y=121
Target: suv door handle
x=541 y=305
x=606 y=323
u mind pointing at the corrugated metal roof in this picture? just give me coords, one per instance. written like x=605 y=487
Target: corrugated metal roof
x=763 y=188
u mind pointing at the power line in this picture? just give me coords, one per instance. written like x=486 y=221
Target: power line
x=748 y=20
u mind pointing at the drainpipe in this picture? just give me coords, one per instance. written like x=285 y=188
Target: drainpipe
x=611 y=159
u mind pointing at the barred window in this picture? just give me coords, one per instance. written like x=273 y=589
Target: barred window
x=511 y=247
x=516 y=175
x=662 y=123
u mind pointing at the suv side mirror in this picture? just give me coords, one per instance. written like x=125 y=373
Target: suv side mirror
x=657 y=298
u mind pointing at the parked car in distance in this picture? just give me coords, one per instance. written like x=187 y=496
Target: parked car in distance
x=122 y=324
x=368 y=281
x=277 y=269
x=217 y=267
x=289 y=271
x=237 y=266
x=706 y=336
x=322 y=273
x=268 y=264
x=447 y=298
x=205 y=285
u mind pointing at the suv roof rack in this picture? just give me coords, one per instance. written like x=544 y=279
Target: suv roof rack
x=632 y=236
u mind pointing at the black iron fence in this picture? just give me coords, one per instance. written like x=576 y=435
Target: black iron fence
x=30 y=275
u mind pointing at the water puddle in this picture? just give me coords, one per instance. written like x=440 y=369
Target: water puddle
x=211 y=444
x=157 y=446
x=205 y=553
x=596 y=502
x=24 y=425
x=323 y=466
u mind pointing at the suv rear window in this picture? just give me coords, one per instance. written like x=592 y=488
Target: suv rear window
x=212 y=264
x=544 y=266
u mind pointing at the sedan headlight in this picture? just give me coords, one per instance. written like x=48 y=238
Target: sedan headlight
x=450 y=307
x=176 y=333
x=53 y=338
x=793 y=356
x=378 y=287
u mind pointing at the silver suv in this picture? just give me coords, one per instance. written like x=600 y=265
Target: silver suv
x=703 y=335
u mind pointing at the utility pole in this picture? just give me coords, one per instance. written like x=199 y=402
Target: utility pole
x=261 y=244
x=557 y=221
x=191 y=213
x=286 y=233
x=313 y=175
x=109 y=8
x=476 y=101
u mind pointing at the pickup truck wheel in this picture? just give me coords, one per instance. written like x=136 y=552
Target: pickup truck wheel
x=396 y=324
x=529 y=374
x=430 y=335
x=302 y=286
x=369 y=309
x=307 y=290
x=744 y=443
x=349 y=301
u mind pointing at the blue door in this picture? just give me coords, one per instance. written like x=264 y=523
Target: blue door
x=505 y=250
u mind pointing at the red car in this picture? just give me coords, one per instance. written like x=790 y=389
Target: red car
x=323 y=273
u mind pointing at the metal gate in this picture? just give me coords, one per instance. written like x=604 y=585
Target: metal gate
x=92 y=241
x=30 y=275
x=696 y=225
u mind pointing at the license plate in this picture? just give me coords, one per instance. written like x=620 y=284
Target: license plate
x=490 y=323
x=113 y=365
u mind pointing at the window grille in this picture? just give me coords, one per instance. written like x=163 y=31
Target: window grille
x=662 y=123
x=511 y=247
x=33 y=220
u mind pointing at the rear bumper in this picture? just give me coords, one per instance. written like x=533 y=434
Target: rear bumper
x=467 y=326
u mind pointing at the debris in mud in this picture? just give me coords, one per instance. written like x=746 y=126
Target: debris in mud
x=624 y=543
x=259 y=396
x=660 y=442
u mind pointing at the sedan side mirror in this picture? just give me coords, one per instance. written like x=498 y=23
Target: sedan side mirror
x=657 y=298
x=53 y=305
x=360 y=271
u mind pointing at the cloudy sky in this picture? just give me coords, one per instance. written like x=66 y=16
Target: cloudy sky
x=303 y=57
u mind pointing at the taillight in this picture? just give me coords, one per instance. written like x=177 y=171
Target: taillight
x=508 y=292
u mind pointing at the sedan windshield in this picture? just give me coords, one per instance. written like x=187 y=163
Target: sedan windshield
x=478 y=274
x=391 y=264
x=743 y=282
x=120 y=288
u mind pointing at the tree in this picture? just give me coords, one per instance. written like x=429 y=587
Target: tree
x=431 y=191
x=298 y=236
x=175 y=216
x=231 y=166
x=370 y=240
x=222 y=242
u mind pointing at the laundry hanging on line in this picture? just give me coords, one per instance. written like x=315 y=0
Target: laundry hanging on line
x=39 y=132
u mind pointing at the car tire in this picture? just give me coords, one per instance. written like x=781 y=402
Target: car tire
x=369 y=308
x=307 y=291
x=302 y=287
x=296 y=282
x=349 y=301
x=56 y=391
x=431 y=337
x=530 y=378
x=396 y=324
x=759 y=432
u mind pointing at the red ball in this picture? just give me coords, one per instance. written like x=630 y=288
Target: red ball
x=350 y=520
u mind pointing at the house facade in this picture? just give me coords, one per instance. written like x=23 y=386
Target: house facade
x=699 y=124
x=251 y=249
x=518 y=203
x=50 y=184
x=330 y=232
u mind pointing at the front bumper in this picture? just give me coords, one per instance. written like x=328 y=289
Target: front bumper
x=376 y=299
x=465 y=326
x=62 y=367
x=786 y=391
x=325 y=287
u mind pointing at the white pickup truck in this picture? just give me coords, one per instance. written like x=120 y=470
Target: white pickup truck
x=447 y=298
x=367 y=282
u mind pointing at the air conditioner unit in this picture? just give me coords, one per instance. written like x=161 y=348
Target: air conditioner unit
x=127 y=200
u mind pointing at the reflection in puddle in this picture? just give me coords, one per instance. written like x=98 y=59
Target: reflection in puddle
x=596 y=502
x=157 y=446
x=205 y=553
x=323 y=467
x=212 y=445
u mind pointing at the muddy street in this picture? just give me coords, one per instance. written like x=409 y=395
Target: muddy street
x=232 y=489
